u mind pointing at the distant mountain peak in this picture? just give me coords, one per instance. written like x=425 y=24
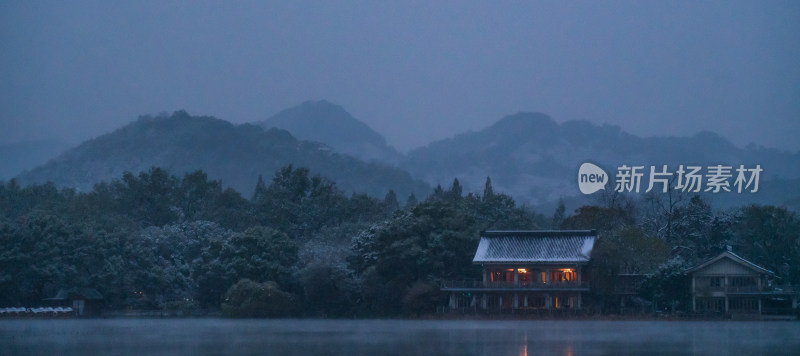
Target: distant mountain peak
x=525 y=120
x=526 y=116
x=331 y=124
x=320 y=110
x=322 y=104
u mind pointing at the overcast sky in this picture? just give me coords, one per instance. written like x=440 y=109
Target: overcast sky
x=413 y=71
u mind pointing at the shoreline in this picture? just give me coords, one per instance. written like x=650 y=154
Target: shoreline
x=429 y=317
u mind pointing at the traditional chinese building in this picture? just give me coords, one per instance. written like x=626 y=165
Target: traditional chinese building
x=83 y=301
x=526 y=270
x=730 y=285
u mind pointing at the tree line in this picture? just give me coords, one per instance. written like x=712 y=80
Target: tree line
x=299 y=246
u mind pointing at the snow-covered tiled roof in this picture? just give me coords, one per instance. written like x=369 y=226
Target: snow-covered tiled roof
x=733 y=257
x=541 y=246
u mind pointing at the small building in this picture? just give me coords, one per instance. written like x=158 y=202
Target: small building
x=730 y=285
x=525 y=271
x=83 y=301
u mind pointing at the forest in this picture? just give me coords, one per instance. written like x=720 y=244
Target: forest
x=300 y=246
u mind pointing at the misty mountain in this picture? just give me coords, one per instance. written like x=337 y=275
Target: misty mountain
x=535 y=159
x=235 y=154
x=20 y=156
x=528 y=156
x=322 y=121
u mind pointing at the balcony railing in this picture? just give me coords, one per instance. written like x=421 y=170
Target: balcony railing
x=747 y=289
x=475 y=284
x=730 y=289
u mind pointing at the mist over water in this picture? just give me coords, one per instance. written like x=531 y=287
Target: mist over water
x=394 y=337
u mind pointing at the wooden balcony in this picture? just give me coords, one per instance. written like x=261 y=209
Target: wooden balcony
x=776 y=290
x=474 y=285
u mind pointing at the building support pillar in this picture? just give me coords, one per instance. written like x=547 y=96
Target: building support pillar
x=500 y=302
x=547 y=276
x=694 y=295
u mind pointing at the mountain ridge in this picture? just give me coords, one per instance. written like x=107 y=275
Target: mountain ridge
x=237 y=154
x=528 y=155
x=535 y=159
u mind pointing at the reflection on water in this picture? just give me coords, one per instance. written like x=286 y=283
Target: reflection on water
x=393 y=337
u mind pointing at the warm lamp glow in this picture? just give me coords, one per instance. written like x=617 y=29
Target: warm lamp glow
x=522 y=270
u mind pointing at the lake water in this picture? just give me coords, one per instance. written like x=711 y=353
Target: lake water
x=394 y=337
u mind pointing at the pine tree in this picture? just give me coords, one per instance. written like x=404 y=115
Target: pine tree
x=438 y=192
x=411 y=201
x=455 y=190
x=261 y=190
x=390 y=203
x=558 y=216
x=488 y=192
